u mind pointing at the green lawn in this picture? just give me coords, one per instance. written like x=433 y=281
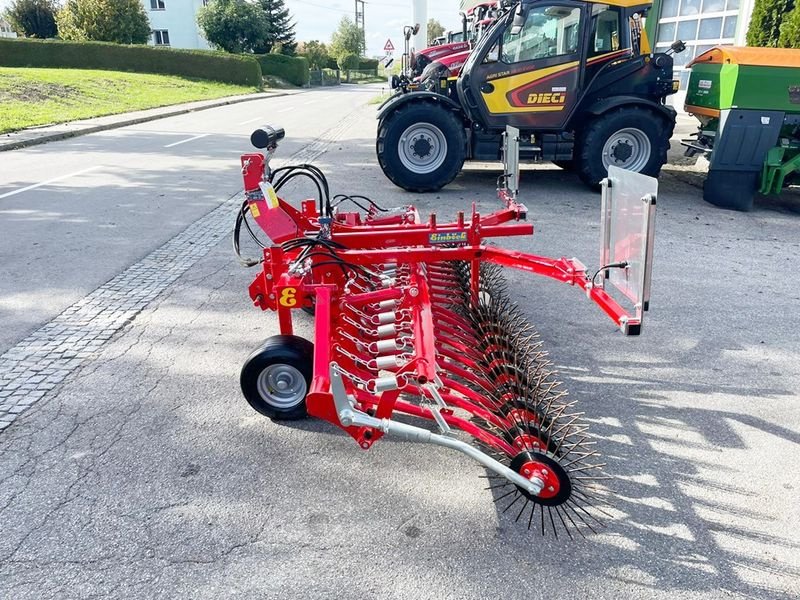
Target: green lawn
x=30 y=97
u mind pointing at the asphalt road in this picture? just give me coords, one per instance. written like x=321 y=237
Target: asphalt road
x=116 y=195
x=146 y=475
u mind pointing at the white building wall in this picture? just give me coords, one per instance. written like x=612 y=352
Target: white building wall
x=179 y=18
x=5 y=29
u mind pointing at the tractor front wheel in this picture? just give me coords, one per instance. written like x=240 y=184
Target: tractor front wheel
x=421 y=146
x=276 y=377
x=632 y=138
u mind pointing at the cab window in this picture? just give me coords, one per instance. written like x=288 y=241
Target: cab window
x=605 y=30
x=548 y=31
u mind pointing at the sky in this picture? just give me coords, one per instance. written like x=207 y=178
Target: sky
x=383 y=19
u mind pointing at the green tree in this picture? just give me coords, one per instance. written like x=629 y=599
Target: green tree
x=120 y=21
x=234 y=25
x=280 y=31
x=790 y=30
x=347 y=39
x=435 y=29
x=348 y=62
x=765 y=24
x=317 y=54
x=33 y=18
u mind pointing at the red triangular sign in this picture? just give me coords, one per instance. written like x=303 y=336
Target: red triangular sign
x=388 y=46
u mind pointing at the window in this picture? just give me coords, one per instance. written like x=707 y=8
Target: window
x=548 y=31
x=157 y=5
x=687 y=30
x=666 y=32
x=729 y=30
x=161 y=37
x=690 y=7
x=669 y=9
x=605 y=27
x=710 y=6
x=710 y=29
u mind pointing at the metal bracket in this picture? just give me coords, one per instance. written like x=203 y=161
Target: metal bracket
x=511 y=160
x=349 y=416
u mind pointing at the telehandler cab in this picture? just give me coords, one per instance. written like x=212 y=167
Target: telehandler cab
x=577 y=78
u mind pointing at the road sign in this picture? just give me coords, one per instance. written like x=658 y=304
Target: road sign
x=388 y=46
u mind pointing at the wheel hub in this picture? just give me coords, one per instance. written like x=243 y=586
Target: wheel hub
x=628 y=148
x=557 y=487
x=281 y=386
x=422 y=146
x=622 y=151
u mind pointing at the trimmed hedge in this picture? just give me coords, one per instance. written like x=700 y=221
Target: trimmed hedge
x=293 y=69
x=203 y=64
x=364 y=64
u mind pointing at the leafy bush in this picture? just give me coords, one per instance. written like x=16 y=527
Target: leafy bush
x=765 y=24
x=316 y=53
x=790 y=30
x=368 y=64
x=233 y=25
x=120 y=21
x=203 y=64
x=33 y=18
x=348 y=61
x=293 y=69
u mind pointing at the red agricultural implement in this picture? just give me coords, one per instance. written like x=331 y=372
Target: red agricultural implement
x=412 y=319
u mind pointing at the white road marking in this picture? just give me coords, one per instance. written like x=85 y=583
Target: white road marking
x=285 y=109
x=250 y=121
x=191 y=139
x=309 y=102
x=53 y=180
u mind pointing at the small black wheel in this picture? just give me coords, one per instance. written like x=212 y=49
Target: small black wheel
x=733 y=190
x=421 y=146
x=276 y=377
x=631 y=137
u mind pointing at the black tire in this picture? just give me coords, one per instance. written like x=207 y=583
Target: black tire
x=733 y=190
x=589 y=153
x=286 y=356
x=419 y=114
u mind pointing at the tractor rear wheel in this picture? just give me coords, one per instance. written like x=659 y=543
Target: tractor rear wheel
x=631 y=137
x=421 y=146
x=277 y=376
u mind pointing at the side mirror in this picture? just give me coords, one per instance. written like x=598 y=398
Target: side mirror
x=678 y=47
x=519 y=20
x=416 y=29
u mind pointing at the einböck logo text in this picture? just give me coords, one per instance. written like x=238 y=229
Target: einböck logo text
x=453 y=237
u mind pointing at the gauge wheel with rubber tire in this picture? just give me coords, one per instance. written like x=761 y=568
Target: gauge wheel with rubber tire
x=633 y=137
x=276 y=377
x=421 y=146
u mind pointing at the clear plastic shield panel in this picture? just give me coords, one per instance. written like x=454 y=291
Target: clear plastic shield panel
x=628 y=217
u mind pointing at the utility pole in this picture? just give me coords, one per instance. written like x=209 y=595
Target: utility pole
x=360 y=24
x=420 y=12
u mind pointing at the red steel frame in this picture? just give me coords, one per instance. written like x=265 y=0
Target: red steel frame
x=419 y=247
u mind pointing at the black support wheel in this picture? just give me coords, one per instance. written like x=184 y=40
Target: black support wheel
x=632 y=137
x=421 y=146
x=276 y=377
